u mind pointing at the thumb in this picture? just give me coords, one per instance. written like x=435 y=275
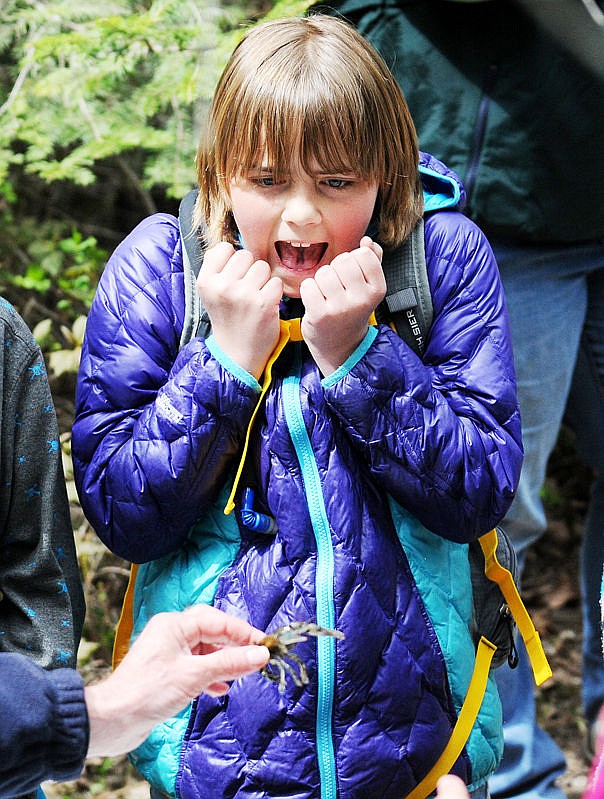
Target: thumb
x=451 y=787
x=211 y=672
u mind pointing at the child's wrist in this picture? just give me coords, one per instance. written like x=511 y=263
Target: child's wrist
x=234 y=366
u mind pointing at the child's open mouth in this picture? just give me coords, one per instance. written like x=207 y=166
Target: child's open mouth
x=300 y=256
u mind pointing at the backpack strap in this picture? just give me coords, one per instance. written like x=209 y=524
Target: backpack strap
x=125 y=625
x=482 y=665
x=505 y=580
x=196 y=321
x=408 y=302
x=463 y=726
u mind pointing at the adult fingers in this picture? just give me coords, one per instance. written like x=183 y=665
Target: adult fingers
x=206 y=624
x=211 y=673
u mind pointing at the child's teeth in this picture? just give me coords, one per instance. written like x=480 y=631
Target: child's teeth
x=300 y=243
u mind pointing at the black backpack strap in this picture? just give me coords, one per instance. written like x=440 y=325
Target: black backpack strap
x=197 y=321
x=408 y=301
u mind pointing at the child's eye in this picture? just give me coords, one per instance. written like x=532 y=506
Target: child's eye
x=264 y=180
x=337 y=183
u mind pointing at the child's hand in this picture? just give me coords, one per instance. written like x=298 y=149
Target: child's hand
x=338 y=302
x=242 y=301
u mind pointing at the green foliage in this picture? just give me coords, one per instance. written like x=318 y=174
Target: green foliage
x=84 y=81
x=63 y=356
x=71 y=264
x=58 y=265
x=55 y=269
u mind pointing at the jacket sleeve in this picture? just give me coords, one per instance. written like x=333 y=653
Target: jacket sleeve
x=43 y=725
x=41 y=598
x=156 y=430
x=442 y=434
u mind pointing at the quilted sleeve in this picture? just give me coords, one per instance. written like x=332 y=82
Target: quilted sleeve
x=442 y=435
x=156 y=430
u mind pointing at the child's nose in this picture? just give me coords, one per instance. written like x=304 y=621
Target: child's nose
x=301 y=209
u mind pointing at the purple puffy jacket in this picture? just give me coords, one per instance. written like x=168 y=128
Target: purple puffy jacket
x=375 y=477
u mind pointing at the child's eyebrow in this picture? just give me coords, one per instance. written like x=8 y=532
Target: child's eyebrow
x=319 y=173
x=345 y=172
x=263 y=168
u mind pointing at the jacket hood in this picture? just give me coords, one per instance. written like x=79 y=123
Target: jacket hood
x=443 y=189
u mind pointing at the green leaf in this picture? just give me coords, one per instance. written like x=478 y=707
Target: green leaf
x=93 y=81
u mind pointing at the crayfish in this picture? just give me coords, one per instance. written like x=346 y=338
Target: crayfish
x=279 y=644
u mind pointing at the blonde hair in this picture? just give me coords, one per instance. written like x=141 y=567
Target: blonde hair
x=311 y=86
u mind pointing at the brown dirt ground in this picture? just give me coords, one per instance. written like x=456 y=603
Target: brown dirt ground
x=551 y=593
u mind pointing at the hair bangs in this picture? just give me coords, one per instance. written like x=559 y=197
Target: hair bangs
x=338 y=142
x=310 y=93
x=303 y=113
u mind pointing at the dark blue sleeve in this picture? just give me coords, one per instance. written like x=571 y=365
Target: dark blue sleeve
x=157 y=430
x=43 y=725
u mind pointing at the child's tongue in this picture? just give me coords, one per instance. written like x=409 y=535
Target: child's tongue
x=300 y=258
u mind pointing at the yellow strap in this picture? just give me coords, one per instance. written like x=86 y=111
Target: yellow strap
x=484 y=655
x=496 y=572
x=465 y=722
x=123 y=632
x=289 y=331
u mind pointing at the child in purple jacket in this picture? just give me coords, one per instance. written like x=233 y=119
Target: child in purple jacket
x=375 y=466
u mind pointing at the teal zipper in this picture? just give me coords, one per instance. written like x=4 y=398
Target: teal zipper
x=324 y=578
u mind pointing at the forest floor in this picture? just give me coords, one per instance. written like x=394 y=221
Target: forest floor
x=550 y=591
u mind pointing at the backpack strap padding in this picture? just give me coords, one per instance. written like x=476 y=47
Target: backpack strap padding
x=196 y=321
x=409 y=308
